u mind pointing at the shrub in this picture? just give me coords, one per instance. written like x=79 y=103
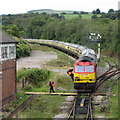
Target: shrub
x=33 y=76
x=22 y=49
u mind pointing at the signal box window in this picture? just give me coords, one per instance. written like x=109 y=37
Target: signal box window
x=4 y=52
x=12 y=51
x=79 y=68
x=89 y=68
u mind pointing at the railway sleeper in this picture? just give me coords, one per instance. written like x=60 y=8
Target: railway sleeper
x=81 y=110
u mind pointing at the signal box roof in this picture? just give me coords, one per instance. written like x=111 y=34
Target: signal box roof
x=6 y=39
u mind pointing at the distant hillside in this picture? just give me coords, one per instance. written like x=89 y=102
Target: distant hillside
x=51 y=11
x=40 y=10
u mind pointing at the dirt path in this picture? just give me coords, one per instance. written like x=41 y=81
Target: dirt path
x=36 y=60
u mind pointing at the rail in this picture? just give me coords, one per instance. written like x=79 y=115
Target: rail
x=107 y=75
x=14 y=113
x=82 y=108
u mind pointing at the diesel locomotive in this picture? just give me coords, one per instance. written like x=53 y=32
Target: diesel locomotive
x=85 y=71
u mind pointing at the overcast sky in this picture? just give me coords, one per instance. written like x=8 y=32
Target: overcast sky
x=22 y=6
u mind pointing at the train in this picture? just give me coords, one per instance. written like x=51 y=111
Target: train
x=84 y=68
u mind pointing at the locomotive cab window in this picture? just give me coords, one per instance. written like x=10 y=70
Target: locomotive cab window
x=89 y=68
x=79 y=68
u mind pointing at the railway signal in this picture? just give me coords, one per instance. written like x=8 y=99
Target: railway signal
x=95 y=37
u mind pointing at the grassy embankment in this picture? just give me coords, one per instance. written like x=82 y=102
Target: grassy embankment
x=114 y=103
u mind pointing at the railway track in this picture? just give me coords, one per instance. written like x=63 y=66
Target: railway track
x=82 y=108
x=21 y=107
x=111 y=72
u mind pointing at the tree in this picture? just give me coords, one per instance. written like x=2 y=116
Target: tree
x=13 y=30
x=93 y=12
x=82 y=12
x=112 y=16
x=44 y=13
x=75 y=12
x=63 y=13
x=98 y=11
x=111 y=11
x=55 y=15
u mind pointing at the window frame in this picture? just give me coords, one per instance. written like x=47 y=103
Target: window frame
x=89 y=66
x=9 y=54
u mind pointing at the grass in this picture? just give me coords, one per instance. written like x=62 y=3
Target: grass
x=114 y=106
x=104 y=59
x=42 y=48
x=63 y=61
x=84 y=16
x=46 y=106
x=42 y=107
x=102 y=62
x=20 y=98
x=70 y=16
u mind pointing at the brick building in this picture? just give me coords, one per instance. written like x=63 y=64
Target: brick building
x=7 y=68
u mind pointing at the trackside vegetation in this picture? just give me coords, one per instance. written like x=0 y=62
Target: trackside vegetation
x=33 y=76
x=114 y=102
x=23 y=49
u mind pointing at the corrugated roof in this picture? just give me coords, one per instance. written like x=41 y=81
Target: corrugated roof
x=6 y=39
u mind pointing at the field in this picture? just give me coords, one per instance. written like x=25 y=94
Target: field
x=84 y=16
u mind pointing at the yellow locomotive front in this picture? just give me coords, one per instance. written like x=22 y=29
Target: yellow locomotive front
x=84 y=76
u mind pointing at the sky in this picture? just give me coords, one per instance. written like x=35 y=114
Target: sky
x=22 y=6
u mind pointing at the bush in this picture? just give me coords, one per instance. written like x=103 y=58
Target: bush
x=34 y=76
x=22 y=49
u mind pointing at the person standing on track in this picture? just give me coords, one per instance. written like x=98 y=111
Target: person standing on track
x=51 y=84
